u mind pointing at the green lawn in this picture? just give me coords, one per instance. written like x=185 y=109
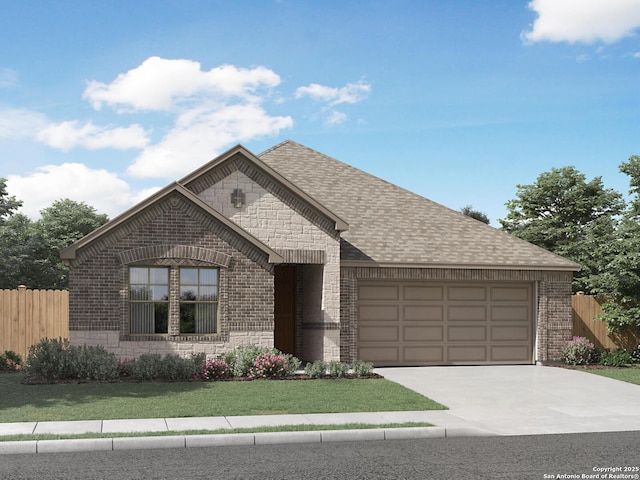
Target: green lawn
x=105 y=401
x=631 y=375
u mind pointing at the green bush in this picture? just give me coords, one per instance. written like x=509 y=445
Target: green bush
x=152 y=366
x=55 y=359
x=617 y=358
x=579 y=351
x=242 y=359
x=316 y=369
x=338 y=369
x=293 y=364
x=635 y=354
x=10 y=361
x=362 y=368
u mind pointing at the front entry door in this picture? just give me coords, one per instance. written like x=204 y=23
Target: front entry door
x=285 y=309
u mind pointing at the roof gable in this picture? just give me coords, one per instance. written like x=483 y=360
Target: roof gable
x=389 y=225
x=68 y=254
x=233 y=159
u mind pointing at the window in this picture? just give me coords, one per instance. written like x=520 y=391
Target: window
x=198 y=300
x=148 y=300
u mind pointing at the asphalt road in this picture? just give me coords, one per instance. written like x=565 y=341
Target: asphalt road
x=527 y=457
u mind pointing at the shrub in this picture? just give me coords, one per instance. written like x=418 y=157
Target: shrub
x=55 y=359
x=617 y=358
x=316 y=369
x=243 y=358
x=579 y=351
x=213 y=370
x=362 y=368
x=269 y=365
x=338 y=369
x=293 y=364
x=170 y=367
x=147 y=366
x=93 y=363
x=126 y=366
x=10 y=361
x=49 y=359
x=635 y=354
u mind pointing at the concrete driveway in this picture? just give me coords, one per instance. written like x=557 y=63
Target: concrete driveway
x=523 y=400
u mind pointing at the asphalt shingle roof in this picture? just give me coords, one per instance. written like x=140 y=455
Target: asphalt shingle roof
x=391 y=225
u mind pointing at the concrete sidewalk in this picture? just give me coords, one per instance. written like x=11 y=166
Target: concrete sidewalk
x=220 y=423
x=500 y=400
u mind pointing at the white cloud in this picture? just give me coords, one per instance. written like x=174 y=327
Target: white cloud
x=335 y=118
x=200 y=134
x=8 y=78
x=67 y=135
x=636 y=55
x=350 y=93
x=99 y=188
x=160 y=84
x=19 y=123
x=211 y=110
x=585 y=21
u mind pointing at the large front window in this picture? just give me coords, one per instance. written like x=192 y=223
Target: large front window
x=149 y=300
x=198 y=300
x=194 y=291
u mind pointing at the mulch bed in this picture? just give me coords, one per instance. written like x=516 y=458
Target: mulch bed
x=29 y=380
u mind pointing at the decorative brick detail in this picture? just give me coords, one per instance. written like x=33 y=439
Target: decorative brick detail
x=311 y=257
x=174 y=252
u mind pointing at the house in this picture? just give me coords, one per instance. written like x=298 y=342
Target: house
x=295 y=249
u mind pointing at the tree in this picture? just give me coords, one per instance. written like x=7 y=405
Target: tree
x=30 y=251
x=8 y=205
x=619 y=278
x=569 y=216
x=477 y=214
x=61 y=224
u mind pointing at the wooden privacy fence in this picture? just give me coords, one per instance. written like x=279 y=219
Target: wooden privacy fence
x=27 y=316
x=585 y=308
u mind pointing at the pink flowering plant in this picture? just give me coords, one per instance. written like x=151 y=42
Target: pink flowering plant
x=211 y=370
x=579 y=351
x=269 y=365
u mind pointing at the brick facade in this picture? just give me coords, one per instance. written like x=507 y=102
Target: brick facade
x=172 y=233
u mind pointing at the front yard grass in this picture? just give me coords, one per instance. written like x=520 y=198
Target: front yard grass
x=630 y=375
x=107 y=401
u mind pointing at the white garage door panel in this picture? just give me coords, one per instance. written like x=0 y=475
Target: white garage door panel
x=445 y=323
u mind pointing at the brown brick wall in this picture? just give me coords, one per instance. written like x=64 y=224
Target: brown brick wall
x=98 y=288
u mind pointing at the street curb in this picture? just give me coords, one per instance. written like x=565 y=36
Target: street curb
x=235 y=439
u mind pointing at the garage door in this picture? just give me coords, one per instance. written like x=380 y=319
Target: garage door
x=422 y=323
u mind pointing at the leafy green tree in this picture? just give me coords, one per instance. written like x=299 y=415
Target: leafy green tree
x=61 y=224
x=8 y=205
x=618 y=280
x=469 y=211
x=569 y=216
x=30 y=251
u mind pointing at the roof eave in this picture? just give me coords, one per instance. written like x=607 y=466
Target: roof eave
x=464 y=266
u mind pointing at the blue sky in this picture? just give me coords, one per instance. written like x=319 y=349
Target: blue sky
x=458 y=100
